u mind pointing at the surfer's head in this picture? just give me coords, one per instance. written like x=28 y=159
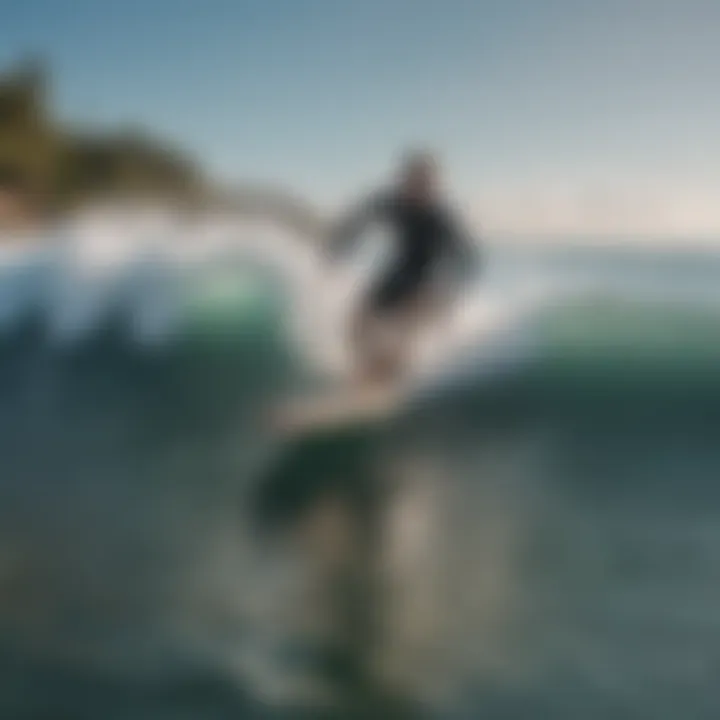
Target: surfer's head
x=419 y=175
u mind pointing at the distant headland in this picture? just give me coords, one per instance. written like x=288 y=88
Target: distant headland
x=62 y=167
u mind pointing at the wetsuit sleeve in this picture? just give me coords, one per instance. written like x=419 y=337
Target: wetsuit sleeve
x=463 y=247
x=344 y=234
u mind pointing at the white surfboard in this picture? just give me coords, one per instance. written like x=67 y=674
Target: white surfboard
x=337 y=409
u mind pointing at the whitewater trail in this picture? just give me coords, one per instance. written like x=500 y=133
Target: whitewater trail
x=150 y=268
x=143 y=269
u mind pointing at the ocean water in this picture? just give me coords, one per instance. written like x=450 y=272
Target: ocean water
x=535 y=535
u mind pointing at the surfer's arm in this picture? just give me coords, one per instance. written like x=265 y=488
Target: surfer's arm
x=463 y=248
x=345 y=233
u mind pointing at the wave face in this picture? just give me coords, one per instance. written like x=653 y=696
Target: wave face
x=544 y=512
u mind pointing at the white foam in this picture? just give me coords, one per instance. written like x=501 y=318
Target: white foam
x=107 y=259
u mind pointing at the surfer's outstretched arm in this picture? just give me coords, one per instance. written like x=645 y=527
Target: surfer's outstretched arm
x=464 y=248
x=345 y=233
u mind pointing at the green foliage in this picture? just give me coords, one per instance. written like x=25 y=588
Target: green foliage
x=66 y=167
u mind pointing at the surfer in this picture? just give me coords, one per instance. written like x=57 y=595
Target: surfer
x=433 y=257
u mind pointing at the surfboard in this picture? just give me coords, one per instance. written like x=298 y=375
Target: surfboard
x=337 y=409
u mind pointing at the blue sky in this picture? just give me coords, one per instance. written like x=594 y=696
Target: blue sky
x=551 y=114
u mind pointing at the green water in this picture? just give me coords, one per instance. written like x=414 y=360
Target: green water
x=579 y=528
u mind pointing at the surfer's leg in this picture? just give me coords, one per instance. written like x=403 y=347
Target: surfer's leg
x=371 y=338
x=383 y=329
x=410 y=318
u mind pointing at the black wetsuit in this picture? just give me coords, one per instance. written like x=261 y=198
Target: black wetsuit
x=427 y=236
